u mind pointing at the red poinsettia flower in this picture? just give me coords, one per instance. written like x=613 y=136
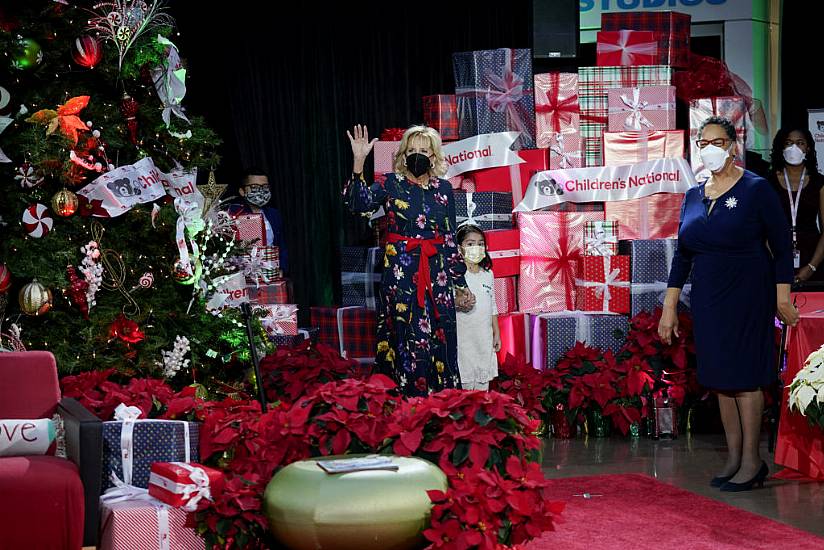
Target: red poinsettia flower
x=639 y=376
x=622 y=416
x=126 y=330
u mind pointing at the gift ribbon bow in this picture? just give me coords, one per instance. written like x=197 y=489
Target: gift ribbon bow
x=560 y=265
x=600 y=245
x=392 y=134
x=636 y=119
x=128 y=415
x=193 y=492
x=628 y=51
x=257 y=266
x=560 y=149
x=189 y=222
x=560 y=111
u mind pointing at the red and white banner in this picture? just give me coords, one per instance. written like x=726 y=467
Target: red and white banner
x=123 y=188
x=607 y=183
x=483 y=151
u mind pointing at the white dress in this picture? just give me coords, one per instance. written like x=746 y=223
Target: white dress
x=477 y=361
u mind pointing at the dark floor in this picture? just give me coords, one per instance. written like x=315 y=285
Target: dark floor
x=687 y=462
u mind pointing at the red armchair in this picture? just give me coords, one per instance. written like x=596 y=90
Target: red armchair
x=47 y=502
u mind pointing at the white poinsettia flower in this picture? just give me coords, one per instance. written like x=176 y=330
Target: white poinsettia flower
x=801 y=398
x=815 y=358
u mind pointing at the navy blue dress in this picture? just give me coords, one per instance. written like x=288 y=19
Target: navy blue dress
x=733 y=280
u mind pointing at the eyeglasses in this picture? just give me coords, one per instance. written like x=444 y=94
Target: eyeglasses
x=718 y=142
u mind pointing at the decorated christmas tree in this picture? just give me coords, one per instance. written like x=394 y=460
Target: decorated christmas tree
x=110 y=254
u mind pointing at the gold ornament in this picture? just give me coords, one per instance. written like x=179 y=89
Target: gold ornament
x=212 y=191
x=35 y=299
x=64 y=203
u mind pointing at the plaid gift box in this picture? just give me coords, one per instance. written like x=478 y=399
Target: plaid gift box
x=487 y=210
x=636 y=147
x=594 y=84
x=441 y=112
x=185 y=485
x=152 y=441
x=635 y=109
x=551 y=244
x=730 y=107
x=352 y=330
x=626 y=48
x=515 y=178
x=384 y=153
x=250 y=228
x=503 y=247
x=282 y=340
x=600 y=238
x=145 y=524
x=672 y=30
x=266 y=262
x=651 y=262
x=565 y=150
x=361 y=269
x=554 y=334
x=280 y=319
x=494 y=93
x=603 y=284
x=652 y=217
x=556 y=106
x=506 y=294
x=276 y=292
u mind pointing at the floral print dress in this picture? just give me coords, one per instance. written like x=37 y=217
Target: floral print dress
x=417 y=345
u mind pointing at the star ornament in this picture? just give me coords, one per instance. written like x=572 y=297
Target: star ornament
x=731 y=203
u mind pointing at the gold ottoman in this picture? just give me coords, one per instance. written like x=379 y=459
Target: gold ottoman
x=309 y=509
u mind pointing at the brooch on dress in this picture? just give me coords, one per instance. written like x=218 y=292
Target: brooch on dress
x=731 y=203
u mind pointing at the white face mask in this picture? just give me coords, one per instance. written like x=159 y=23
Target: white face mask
x=794 y=155
x=474 y=254
x=714 y=157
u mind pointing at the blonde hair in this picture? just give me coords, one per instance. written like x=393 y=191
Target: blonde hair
x=438 y=163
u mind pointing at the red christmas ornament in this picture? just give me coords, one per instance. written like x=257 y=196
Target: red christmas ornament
x=87 y=52
x=5 y=278
x=128 y=106
x=77 y=291
x=126 y=330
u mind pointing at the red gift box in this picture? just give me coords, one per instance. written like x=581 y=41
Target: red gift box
x=189 y=486
x=636 y=147
x=556 y=106
x=652 y=217
x=276 y=292
x=626 y=48
x=645 y=108
x=671 y=28
x=502 y=246
x=506 y=295
x=513 y=328
x=250 y=227
x=603 y=284
x=279 y=319
x=142 y=524
x=440 y=112
x=514 y=179
x=352 y=330
x=565 y=151
x=551 y=244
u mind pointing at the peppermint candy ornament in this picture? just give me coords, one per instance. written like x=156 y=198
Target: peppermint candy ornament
x=27 y=176
x=146 y=280
x=36 y=220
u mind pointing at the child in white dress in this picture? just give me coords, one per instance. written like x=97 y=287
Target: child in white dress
x=479 y=338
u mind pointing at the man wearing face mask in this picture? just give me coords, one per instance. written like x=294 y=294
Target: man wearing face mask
x=735 y=239
x=256 y=196
x=794 y=176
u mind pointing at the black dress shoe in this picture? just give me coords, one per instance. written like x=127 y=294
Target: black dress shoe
x=718 y=481
x=760 y=477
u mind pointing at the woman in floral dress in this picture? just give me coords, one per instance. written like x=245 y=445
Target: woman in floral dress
x=423 y=278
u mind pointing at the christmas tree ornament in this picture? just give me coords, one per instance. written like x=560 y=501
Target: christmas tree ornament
x=87 y=52
x=182 y=273
x=92 y=270
x=36 y=220
x=30 y=56
x=146 y=280
x=65 y=118
x=128 y=107
x=28 y=176
x=77 y=291
x=5 y=279
x=125 y=330
x=35 y=299
x=64 y=203
x=124 y=21
x=173 y=360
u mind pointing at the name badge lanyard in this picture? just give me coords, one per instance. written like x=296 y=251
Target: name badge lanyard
x=794 y=204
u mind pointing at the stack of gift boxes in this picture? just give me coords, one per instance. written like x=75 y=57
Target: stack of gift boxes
x=152 y=482
x=561 y=275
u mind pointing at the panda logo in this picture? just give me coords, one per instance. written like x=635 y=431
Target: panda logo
x=549 y=188
x=123 y=187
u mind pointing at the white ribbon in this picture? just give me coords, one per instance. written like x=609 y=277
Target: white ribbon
x=560 y=149
x=193 y=492
x=128 y=493
x=472 y=219
x=600 y=245
x=163 y=532
x=636 y=119
x=628 y=52
x=602 y=289
x=189 y=222
x=660 y=287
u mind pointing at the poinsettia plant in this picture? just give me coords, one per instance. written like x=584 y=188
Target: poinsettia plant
x=807 y=389
x=523 y=382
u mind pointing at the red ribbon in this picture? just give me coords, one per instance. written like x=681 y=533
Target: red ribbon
x=392 y=134
x=559 y=110
x=428 y=249
x=562 y=264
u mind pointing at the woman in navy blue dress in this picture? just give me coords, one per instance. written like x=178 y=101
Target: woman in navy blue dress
x=735 y=238
x=423 y=276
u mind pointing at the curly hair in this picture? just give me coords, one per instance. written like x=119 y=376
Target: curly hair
x=464 y=231
x=439 y=166
x=777 y=161
x=724 y=122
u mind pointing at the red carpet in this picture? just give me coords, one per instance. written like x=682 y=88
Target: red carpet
x=638 y=512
